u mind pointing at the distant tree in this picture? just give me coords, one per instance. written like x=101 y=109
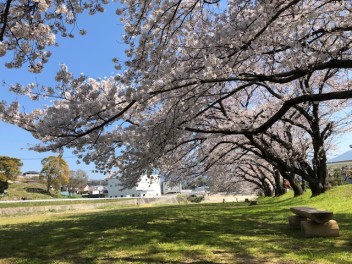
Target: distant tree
x=77 y=179
x=9 y=170
x=223 y=178
x=55 y=172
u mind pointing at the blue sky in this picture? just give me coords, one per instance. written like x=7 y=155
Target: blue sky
x=90 y=54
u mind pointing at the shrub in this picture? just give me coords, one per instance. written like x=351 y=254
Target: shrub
x=182 y=199
x=195 y=199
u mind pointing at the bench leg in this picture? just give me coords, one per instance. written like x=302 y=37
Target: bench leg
x=295 y=221
x=312 y=229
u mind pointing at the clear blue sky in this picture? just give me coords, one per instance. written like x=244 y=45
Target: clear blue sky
x=90 y=54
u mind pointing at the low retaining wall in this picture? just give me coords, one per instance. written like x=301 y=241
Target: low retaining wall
x=132 y=202
x=86 y=206
x=219 y=198
x=66 y=207
x=158 y=200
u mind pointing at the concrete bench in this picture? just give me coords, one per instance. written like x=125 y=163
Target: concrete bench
x=313 y=222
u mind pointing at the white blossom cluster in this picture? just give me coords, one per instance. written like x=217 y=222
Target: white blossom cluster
x=28 y=28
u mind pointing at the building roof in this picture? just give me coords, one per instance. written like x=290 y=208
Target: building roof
x=31 y=172
x=344 y=157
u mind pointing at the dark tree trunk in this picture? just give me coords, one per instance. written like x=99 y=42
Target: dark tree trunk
x=303 y=184
x=267 y=192
x=266 y=188
x=3 y=186
x=278 y=188
x=48 y=186
x=319 y=164
x=316 y=188
x=297 y=190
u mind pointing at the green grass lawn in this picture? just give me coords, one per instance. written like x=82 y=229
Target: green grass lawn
x=200 y=233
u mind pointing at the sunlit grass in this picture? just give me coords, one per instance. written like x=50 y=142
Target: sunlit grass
x=202 y=233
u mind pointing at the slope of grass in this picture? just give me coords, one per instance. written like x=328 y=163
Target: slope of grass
x=202 y=233
x=30 y=191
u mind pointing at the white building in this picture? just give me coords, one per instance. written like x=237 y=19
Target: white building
x=146 y=187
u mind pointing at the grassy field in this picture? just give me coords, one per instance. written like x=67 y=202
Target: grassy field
x=201 y=233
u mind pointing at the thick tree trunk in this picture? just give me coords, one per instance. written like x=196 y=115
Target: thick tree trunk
x=278 y=188
x=319 y=185
x=294 y=185
x=48 y=186
x=290 y=176
x=267 y=192
x=297 y=189
x=3 y=186
x=303 y=184
x=267 y=188
x=316 y=188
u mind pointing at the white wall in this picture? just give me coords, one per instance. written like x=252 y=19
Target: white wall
x=147 y=187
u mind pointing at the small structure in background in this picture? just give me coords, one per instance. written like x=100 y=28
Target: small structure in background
x=340 y=168
x=28 y=176
x=201 y=190
x=146 y=187
x=97 y=191
x=170 y=187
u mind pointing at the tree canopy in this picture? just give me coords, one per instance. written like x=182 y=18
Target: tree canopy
x=207 y=80
x=29 y=27
x=77 y=179
x=10 y=168
x=55 y=172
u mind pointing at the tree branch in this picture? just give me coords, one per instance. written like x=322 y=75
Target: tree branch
x=4 y=20
x=278 y=115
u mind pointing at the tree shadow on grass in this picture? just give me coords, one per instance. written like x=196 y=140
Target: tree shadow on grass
x=171 y=234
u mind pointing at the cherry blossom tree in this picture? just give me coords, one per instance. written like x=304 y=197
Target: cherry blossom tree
x=296 y=145
x=248 y=173
x=223 y=179
x=200 y=73
x=29 y=27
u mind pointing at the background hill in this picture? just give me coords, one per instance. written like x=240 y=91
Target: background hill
x=28 y=191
